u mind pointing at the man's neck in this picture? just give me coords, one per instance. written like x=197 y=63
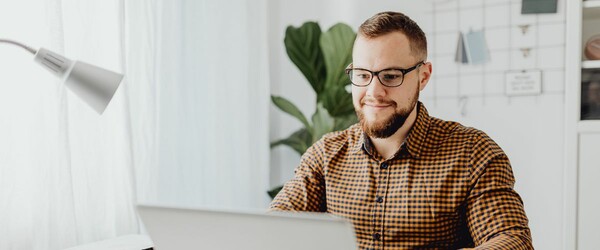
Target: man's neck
x=387 y=147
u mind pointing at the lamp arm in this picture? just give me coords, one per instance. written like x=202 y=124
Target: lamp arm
x=31 y=50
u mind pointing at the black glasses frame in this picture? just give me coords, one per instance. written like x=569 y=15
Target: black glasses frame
x=376 y=73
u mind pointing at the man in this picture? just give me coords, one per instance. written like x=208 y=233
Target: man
x=405 y=179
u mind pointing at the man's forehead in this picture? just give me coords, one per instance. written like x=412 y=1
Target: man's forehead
x=395 y=43
x=390 y=50
x=391 y=37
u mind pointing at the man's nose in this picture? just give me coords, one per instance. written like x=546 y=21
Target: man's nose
x=376 y=89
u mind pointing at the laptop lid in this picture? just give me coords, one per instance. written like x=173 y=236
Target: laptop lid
x=182 y=228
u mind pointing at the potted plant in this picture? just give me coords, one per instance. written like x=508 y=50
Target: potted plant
x=322 y=58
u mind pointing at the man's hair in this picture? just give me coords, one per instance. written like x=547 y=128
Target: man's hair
x=387 y=22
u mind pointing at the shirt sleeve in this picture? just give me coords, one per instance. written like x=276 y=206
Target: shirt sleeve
x=495 y=214
x=306 y=191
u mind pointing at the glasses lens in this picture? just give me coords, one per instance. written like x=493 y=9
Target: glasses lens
x=391 y=77
x=360 y=77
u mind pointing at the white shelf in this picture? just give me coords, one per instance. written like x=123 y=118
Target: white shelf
x=588 y=126
x=590 y=64
x=591 y=4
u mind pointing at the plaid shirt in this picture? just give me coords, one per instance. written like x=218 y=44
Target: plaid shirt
x=447 y=187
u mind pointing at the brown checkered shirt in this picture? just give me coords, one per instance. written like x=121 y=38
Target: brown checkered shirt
x=447 y=187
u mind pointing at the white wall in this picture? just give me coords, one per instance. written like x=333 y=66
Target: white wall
x=529 y=129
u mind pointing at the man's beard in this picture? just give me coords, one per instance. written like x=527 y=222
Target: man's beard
x=389 y=126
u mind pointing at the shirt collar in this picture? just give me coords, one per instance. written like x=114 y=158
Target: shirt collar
x=360 y=143
x=418 y=133
x=414 y=141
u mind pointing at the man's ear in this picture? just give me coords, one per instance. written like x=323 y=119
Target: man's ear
x=424 y=75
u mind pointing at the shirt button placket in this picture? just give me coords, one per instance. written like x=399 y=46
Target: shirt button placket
x=379 y=199
x=384 y=174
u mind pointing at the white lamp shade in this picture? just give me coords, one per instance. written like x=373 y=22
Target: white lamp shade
x=94 y=85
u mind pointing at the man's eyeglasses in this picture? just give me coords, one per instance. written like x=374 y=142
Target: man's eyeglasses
x=392 y=77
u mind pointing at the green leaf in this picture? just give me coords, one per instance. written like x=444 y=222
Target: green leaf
x=273 y=192
x=299 y=141
x=343 y=122
x=322 y=58
x=322 y=123
x=336 y=45
x=290 y=108
x=302 y=46
x=337 y=101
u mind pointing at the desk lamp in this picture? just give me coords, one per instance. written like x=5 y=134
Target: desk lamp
x=95 y=86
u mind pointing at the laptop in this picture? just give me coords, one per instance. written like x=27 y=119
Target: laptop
x=185 y=228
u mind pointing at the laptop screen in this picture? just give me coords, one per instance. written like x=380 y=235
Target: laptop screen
x=185 y=228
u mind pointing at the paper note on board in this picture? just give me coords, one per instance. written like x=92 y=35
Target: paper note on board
x=525 y=82
x=472 y=48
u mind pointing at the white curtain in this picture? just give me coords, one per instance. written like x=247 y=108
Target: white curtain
x=199 y=97
x=187 y=127
x=65 y=172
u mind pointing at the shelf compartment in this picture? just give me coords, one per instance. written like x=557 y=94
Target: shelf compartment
x=591 y=10
x=588 y=126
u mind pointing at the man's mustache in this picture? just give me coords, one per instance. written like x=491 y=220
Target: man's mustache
x=376 y=102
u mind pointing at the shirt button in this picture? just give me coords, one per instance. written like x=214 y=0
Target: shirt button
x=384 y=166
x=379 y=199
x=376 y=236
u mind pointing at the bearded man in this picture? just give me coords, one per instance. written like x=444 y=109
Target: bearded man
x=407 y=180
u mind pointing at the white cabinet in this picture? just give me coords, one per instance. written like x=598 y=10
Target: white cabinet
x=588 y=219
x=582 y=130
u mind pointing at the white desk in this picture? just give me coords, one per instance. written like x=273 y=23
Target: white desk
x=127 y=242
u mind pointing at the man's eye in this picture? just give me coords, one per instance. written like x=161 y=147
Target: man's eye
x=390 y=77
x=362 y=76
